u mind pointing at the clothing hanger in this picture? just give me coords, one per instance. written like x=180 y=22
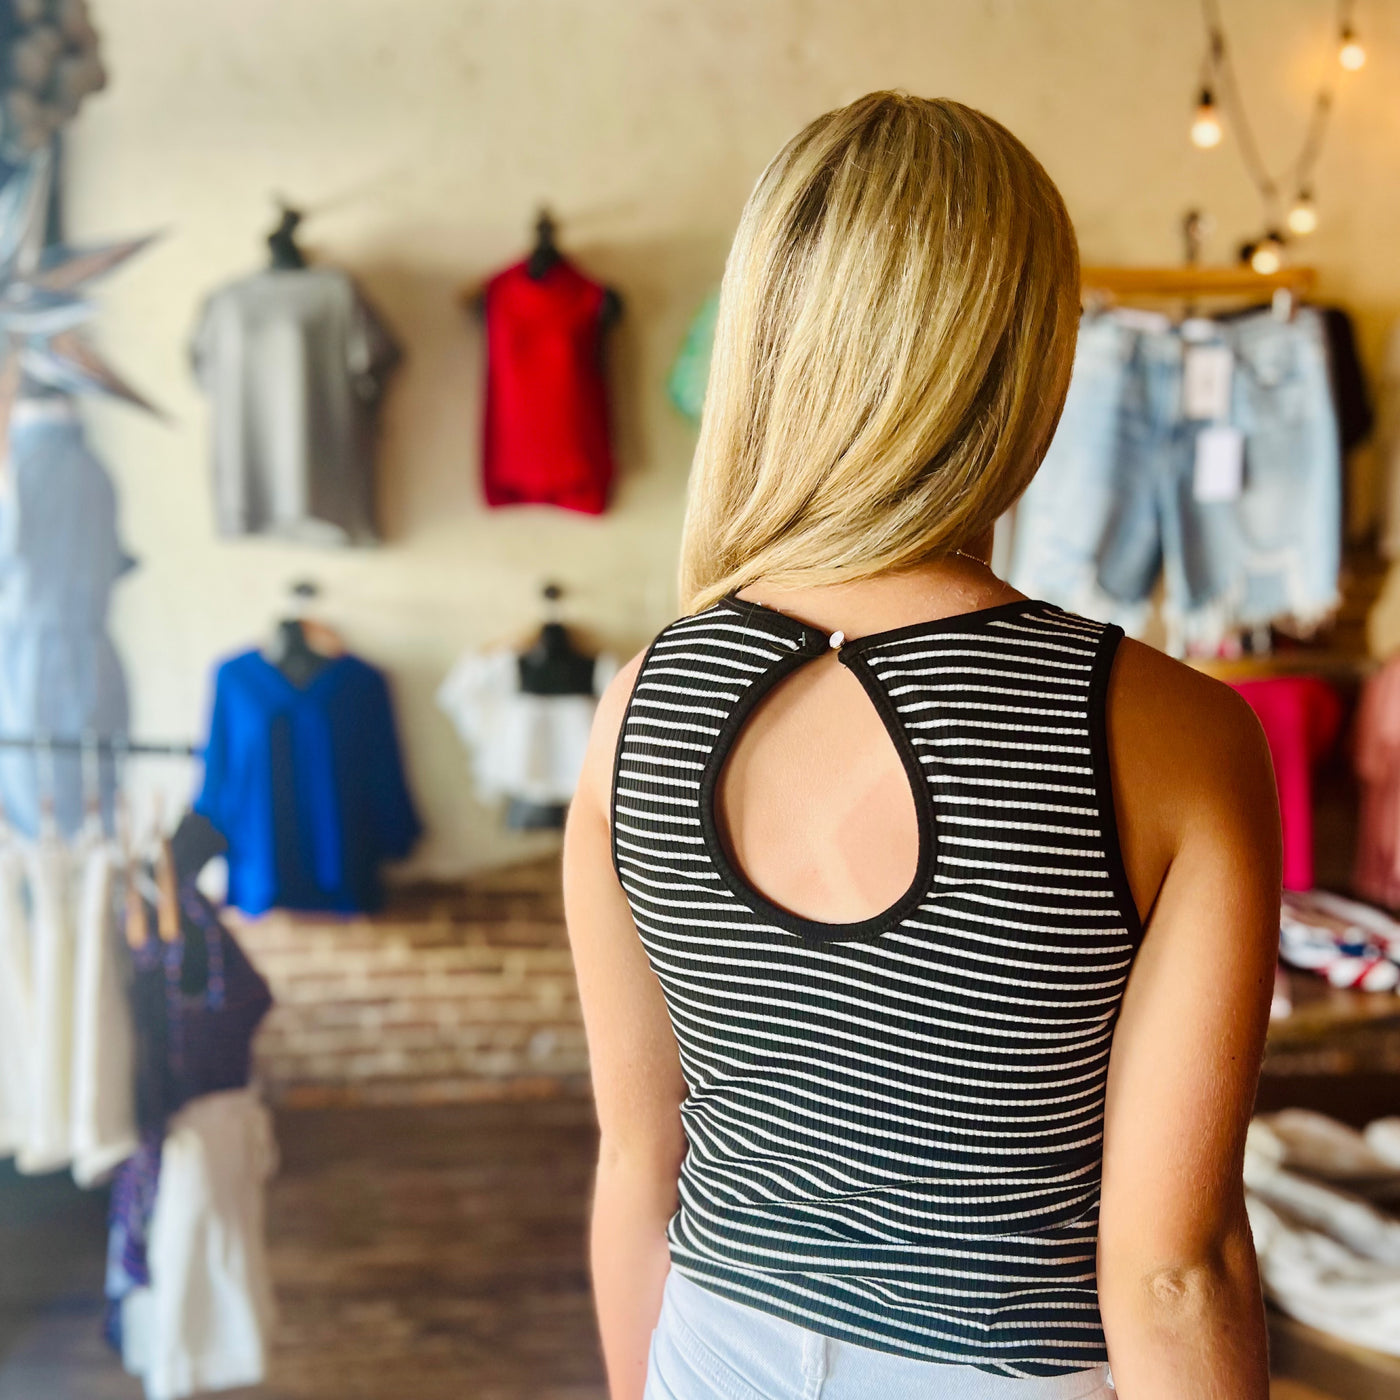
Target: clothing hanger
x=522 y=639
x=545 y=255
x=48 y=784
x=136 y=923
x=552 y=664
x=542 y=259
x=195 y=843
x=91 y=782
x=301 y=647
x=167 y=895
x=285 y=252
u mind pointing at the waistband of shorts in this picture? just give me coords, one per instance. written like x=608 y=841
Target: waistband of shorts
x=697 y=1311
x=1158 y=337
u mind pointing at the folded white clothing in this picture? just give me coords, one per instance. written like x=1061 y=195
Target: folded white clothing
x=1322 y=1282
x=1310 y=1142
x=1383 y=1138
x=1351 y=1222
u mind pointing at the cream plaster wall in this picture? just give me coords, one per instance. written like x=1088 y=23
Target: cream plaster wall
x=424 y=133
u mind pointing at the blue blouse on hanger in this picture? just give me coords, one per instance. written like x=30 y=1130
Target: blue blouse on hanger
x=306 y=784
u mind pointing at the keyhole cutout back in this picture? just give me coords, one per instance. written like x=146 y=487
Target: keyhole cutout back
x=813 y=804
x=828 y=806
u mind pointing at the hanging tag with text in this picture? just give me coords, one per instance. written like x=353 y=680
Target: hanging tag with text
x=1219 y=472
x=1206 y=372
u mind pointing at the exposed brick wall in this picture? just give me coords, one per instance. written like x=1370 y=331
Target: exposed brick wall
x=453 y=993
x=467 y=992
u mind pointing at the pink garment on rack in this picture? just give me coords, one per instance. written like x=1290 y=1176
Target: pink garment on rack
x=1377 y=756
x=1301 y=717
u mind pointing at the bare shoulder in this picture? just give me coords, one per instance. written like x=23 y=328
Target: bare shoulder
x=1165 y=704
x=1189 y=760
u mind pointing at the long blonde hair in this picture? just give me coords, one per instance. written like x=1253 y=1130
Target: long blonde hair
x=895 y=335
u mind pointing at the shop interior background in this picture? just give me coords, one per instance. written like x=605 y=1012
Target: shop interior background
x=425 y=1063
x=422 y=139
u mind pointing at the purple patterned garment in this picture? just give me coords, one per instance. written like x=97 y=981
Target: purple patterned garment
x=129 y=1219
x=196 y=1004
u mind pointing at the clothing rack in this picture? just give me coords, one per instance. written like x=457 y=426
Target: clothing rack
x=1194 y=281
x=99 y=745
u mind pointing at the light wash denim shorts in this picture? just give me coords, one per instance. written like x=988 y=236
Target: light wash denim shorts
x=1114 y=503
x=706 y=1347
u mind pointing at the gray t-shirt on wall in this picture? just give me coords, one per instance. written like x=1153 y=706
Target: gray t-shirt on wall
x=295 y=363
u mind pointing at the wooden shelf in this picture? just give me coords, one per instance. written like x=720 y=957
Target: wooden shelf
x=1331 y=665
x=1196 y=281
x=1321 y=1011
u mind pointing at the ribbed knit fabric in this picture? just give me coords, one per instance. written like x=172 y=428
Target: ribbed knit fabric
x=895 y=1125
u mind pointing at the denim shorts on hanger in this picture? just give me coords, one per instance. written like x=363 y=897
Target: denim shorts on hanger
x=1114 y=503
x=706 y=1347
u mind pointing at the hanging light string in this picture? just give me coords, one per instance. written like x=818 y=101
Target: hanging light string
x=1219 y=75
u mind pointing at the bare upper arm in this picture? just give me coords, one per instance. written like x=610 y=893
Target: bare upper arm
x=1199 y=827
x=637 y=1082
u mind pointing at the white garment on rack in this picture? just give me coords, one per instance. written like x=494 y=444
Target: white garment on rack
x=16 y=1005
x=529 y=747
x=103 y=1123
x=205 y=1320
x=47 y=1146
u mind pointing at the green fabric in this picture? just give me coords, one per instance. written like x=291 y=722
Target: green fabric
x=691 y=372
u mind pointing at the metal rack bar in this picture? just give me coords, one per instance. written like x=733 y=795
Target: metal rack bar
x=99 y=744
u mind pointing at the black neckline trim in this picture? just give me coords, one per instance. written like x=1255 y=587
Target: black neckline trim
x=814 y=638
x=617 y=754
x=1103 y=778
x=816 y=931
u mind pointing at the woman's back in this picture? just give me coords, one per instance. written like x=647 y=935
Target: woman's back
x=895 y=1120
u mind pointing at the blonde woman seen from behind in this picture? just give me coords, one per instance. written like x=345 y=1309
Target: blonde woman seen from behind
x=924 y=931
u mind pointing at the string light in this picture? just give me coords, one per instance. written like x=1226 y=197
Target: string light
x=1206 y=129
x=1218 y=75
x=1267 y=256
x=1302 y=217
x=1351 y=55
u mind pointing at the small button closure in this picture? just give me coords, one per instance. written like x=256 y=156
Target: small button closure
x=837 y=638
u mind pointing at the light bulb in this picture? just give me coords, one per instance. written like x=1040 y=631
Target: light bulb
x=1302 y=217
x=1267 y=256
x=1206 y=130
x=1351 y=55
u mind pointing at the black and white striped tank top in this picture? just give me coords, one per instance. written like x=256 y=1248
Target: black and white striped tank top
x=894 y=1126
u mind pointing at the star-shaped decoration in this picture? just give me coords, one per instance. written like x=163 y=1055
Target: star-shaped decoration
x=44 y=309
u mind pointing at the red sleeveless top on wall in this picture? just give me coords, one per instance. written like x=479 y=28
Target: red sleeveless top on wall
x=546 y=421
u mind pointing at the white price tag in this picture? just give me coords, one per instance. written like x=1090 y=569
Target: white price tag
x=1219 y=463
x=1206 y=372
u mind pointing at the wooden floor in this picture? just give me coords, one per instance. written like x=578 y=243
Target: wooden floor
x=432 y=1253
x=427 y=1252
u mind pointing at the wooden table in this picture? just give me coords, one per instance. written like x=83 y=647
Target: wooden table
x=1322 y=1012
x=1324 y=1363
